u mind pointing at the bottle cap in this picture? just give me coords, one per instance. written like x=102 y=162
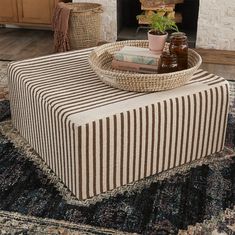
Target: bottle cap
x=178 y=34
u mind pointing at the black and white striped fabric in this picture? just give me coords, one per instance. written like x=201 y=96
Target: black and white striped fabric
x=97 y=138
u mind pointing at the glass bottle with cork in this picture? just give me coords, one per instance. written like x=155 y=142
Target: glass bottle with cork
x=179 y=46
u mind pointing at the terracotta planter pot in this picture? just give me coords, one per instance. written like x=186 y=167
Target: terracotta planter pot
x=156 y=42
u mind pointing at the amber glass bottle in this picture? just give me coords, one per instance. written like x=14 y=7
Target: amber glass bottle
x=167 y=63
x=179 y=46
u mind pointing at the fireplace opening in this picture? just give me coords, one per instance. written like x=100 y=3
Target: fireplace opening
x=129 y=29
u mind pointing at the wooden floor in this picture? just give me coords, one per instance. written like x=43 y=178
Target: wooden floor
x=217 y=56
x=18 y=44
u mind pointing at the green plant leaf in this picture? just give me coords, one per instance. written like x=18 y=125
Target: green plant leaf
x=161 y=23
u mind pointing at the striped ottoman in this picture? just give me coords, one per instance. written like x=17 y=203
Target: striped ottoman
x=97 y=138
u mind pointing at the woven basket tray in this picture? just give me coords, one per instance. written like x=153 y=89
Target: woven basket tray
x=100 y=60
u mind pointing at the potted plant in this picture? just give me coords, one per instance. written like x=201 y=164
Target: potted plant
x=159 y=23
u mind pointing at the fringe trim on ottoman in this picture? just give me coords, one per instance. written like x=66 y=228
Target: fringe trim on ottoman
x=7 y=129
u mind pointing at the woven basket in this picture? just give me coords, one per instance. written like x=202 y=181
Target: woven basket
x=100 y=60
x=84 y=24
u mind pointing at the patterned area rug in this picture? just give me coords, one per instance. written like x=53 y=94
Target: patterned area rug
x=15 y=223
x=167 y=205
x=3 y=80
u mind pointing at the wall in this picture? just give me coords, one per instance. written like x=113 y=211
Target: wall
x=109 y=19
x=216 y=24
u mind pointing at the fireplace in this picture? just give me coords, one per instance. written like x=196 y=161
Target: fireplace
x=214 y=28
x=128 y=27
